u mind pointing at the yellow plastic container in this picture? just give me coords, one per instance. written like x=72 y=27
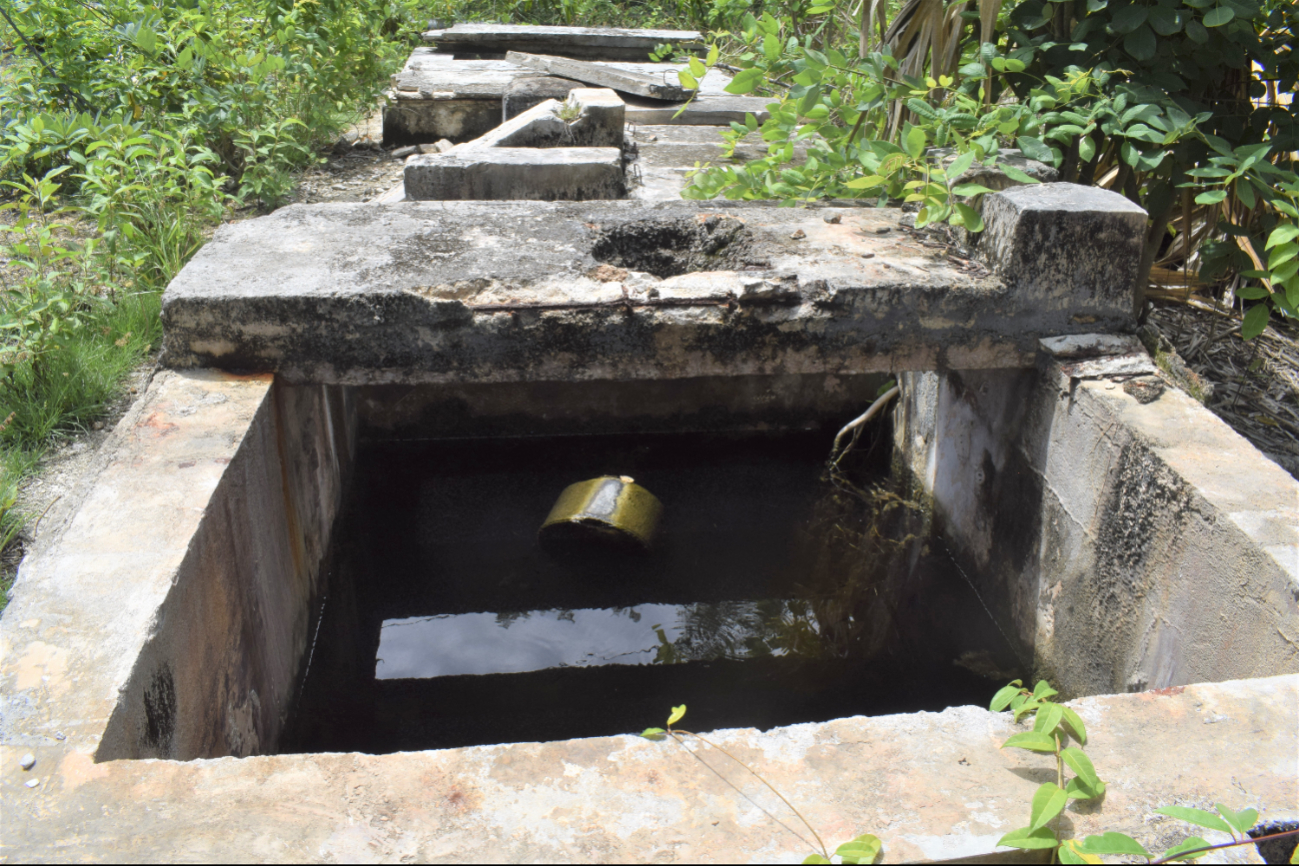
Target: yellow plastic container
x=605 y=512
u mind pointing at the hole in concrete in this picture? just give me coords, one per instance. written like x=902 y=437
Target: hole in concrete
x=767 y=599
x=1276 y=850
x=671 y=247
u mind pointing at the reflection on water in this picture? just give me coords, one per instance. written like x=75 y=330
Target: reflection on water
x=499 y=643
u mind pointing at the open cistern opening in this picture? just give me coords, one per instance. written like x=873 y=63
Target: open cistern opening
x=772 y=592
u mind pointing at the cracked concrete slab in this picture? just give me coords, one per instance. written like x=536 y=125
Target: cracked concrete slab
x=439 y=292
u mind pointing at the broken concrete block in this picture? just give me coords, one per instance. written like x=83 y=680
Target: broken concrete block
x=519 y=173
x=524 y=93
x=589 y=43
x=663 y=86
x=1073 y=247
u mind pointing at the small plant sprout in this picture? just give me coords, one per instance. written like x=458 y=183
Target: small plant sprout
x=1053 y=726
x=863 y=849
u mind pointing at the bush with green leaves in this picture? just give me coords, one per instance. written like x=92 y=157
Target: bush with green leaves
x=1177 y=104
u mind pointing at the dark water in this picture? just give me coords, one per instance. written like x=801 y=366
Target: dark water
x=769 y=599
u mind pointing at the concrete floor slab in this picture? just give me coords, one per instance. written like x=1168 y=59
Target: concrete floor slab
x=930 y=785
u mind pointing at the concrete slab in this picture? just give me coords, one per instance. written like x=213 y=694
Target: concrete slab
x=517 y=174
x=537 y=156
x=524 y=93
x=506 y=291
x=658 y=86
x=587 y=43
x=436 y=96
x=930 y=785
x=704 y=110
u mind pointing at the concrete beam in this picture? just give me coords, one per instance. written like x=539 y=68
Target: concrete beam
x=517 y=174
x=588 y=43
x=602 y=75
x=703 y=110
x=622 y=290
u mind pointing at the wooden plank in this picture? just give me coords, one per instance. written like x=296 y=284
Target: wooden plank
x=600 y=75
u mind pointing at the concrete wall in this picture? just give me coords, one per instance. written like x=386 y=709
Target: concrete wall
x=168 y=616
x=1128 y=545
x=218 y=673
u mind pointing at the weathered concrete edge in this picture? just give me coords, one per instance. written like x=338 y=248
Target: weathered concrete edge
x=197 y=507
x=931 y=785
x=1086 y=512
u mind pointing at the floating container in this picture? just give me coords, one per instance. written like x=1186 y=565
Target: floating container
x=609 y=512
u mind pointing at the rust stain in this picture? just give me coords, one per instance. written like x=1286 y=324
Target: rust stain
x=460 y=802
x=40 y=661
x=1168 y=692
x=160 y=425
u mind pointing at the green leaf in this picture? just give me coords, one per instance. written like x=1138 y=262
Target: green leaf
x=1082 y=765
x=863 y=849
x=1048 y=801
x=819 y=10
x=1004 y=696
x=816 y=858
x=1189 y=845
x=969 y=217
x=1198 y=817
x=1034 y=741
x=653 y=733
x=145 y=39
x=1129 y=18
x=869 y=182
x=1070 y=852
x=1075 y=725
x=1033 y=148
x=745 y=81
x=697 y=67
x=1196 y=33
x=1245 y=819
x=1043 y=690
x=1254 y=323
x=1252 y=293
x=915 y=142
x=1140 y=43
x=1212 y=196
x=1026 y=837
x=687 y=80
x=1047 y=718
x=969 y=189
x=961 y=165
x=1077 y=789
x=678 y=713
x=1281 y=255
x=1218 y=17
x=1281 y=234
x=1165 y=21
x=1114 y=843
x=1016 y=174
